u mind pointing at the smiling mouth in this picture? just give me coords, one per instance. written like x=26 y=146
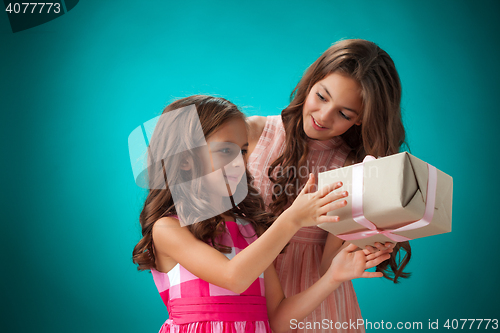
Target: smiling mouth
x=316 y=123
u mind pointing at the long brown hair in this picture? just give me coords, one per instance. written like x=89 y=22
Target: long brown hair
x=381 y=132
x=212 y=112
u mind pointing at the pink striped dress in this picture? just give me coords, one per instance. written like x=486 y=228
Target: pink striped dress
x=195 y=305
x=298 y=267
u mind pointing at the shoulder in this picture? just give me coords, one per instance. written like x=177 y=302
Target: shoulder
x=168 y=233
x=168 y=221
x=256 y=126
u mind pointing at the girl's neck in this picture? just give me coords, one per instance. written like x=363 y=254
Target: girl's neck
x=331 y=143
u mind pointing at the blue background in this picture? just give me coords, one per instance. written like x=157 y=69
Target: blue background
x=73 y=89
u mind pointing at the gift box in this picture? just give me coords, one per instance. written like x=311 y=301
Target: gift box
x=391 y=199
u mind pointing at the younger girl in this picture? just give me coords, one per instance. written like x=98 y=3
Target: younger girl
x=209 y=274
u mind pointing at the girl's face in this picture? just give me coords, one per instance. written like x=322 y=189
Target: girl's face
x=224 y=165
x=332 y=106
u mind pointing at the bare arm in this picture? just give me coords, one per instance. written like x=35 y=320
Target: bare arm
x=333 y=246
x=348 y=265
x=176 y=242
x=172 y=240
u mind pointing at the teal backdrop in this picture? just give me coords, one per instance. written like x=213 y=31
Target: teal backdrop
x=72 y=90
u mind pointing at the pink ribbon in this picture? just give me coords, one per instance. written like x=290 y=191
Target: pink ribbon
x=359 y=217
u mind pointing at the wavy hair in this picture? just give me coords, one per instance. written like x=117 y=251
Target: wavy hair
x=212 y=112
x=381 y=132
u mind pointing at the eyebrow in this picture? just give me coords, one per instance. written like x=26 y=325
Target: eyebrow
x=349 y=109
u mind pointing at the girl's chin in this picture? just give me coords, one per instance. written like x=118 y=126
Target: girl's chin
x=313 y=135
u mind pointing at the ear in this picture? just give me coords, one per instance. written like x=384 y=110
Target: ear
x=359 y=119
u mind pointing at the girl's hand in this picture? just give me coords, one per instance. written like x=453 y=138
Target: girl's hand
x=310 y=208
x=351 y=263
x=380 y=247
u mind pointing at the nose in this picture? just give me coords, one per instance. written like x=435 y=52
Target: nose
x=238 y=162
x=326 y=115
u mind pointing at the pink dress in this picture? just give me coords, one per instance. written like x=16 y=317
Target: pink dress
x=195 y=305
x=298 y=267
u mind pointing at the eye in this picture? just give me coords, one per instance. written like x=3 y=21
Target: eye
x=244 y=152
x=225 y=150
x=321 y=97
x=343 y=115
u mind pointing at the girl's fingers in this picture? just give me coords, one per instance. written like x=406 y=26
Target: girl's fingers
x=380 y=247
x=371 y=274
x=372 y=256
x=327 y=219
x=351 y=248
x=376 y=261
x=332 y=206
x=383 y=247
x=387 y=245
x=332 y=196
x=369 y=249
x=329 y=188
x=308 y=188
